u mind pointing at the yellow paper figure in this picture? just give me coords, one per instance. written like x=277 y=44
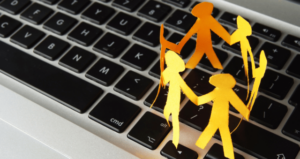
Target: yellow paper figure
x=175 y=65
x=259 y=74
x=221 y=96
x=240 y=35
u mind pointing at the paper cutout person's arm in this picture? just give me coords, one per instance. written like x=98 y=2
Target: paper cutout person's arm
x=188 y=35
x=165 y=43
x=206 y=98
x=188 y=92
x=239 y=105
x=217 y=28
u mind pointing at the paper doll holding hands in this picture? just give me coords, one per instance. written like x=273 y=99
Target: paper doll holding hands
x=221 y=96
x=171 y=75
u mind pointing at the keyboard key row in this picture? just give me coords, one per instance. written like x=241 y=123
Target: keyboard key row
x=254 y=142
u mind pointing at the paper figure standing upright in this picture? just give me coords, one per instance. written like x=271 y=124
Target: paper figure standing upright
x=175 y=65
x=204 y=24
x=240 y=35
x=202 y=27
x=221 y=96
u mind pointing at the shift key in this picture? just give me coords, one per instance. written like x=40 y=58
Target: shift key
x=292 y=127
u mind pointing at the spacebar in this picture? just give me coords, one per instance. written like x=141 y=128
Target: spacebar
x=259 y=142
x=57 y=84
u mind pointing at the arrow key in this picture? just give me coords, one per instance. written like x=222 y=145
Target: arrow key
x=182 y=152
x=133 y=85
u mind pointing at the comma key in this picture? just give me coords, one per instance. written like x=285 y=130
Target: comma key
x=114 y=113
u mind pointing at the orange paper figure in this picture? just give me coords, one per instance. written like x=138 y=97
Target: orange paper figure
x=171 y=75
x=240 y=35
x=221 y=96
x=202 y=27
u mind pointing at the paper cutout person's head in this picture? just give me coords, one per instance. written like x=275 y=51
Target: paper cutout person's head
x=174 y=61
x=222 y=81
x=202 y=9
x=244 y=30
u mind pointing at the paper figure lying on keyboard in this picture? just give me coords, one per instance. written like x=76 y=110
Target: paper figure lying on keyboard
x=221 y=96
x=175 y=65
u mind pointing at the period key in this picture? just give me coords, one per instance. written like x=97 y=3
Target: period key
x=114 y=112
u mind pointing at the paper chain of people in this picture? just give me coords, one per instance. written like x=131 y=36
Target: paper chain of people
x=223 y=94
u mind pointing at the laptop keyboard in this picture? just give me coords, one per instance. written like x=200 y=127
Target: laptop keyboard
x=142 y=19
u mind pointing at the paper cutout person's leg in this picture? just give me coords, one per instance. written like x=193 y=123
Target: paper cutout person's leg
x=176 y=129
x=227 y=142
x=196 y=57
x=206 y=135
x=213 y=58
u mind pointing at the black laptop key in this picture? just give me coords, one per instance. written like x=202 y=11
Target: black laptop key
x=237 y=70
x=139 y=57
x=242 y=94
x=293 y=69
x=179 y=3
x=111 y=45
x=27 y=37
x=105 y=0
x=205 y=63
x=77 y=59
x=36 y=13
x=49 y=80
x=123 y=23
x=98 y=13
x=14 y=6
x=292 y=128
x=149 y=34
x=191 y=114
x=214 y=13
x=268 y=112
x=295 y=100
x=198 y=81
x=128 y=5
x=291 y=42
x=236 y=48
x=85 y=34
x=187 y=49
x=73 y=6
x=276 y=56
x=60 y=23
x=51 y=47
x=160 y=102
x=181 y=21
x=266 y=32
x=114 y=112
x=8 y=26
x=275 y=84
x=216 y=152
x=105 y=72
x=229 y=19
x=50 y=1
x=181 y=152
x=133 y=85
x=249 y=138
x=150 y=130
x=154 y=11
